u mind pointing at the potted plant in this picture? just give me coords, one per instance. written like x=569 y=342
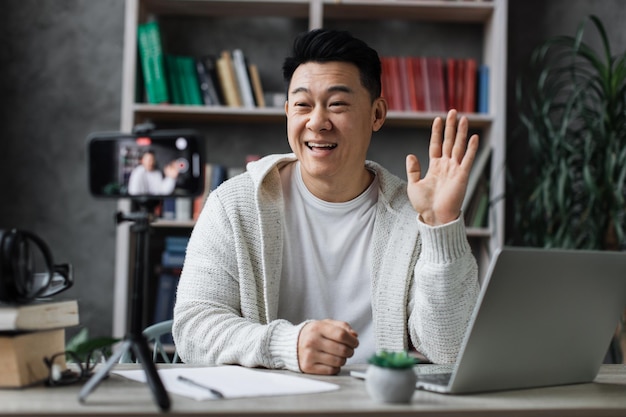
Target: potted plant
x=572 y=109
x=390 y=377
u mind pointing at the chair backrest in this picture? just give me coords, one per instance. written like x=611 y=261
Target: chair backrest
x=154 y=334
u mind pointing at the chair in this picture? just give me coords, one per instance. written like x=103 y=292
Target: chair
x=154 y=335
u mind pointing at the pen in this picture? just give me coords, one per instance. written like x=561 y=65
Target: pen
x=191 y=382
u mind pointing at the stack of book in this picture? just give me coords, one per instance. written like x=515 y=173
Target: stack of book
x=28 y=334
x=224 y=79
x=421 y=83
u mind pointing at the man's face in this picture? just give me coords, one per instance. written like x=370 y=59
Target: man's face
x=147 y=160
x=330 y=120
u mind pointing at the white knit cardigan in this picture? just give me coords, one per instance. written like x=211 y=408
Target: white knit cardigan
x=424 y=279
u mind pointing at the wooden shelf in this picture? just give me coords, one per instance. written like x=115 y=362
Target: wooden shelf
x=419 y=10
x=225 y=8
x=177 y=113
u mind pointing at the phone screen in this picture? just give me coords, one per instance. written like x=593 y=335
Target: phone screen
x=155 y=165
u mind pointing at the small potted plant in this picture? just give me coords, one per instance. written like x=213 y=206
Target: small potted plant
x=390 y=378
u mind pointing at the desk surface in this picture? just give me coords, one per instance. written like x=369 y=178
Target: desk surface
x=119 y=396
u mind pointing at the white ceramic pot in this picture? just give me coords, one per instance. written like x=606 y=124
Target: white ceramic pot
x=390 y=385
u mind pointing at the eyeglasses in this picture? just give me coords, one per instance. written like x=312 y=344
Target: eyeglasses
x=59 y=374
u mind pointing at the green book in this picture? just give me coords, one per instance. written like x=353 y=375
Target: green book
x=152 y=65
x=173 y=80
x=190 y=78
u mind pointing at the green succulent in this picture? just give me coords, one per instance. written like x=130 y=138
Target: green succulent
x=395 y=360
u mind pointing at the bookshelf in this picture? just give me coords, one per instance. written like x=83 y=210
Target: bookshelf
x=445 y=28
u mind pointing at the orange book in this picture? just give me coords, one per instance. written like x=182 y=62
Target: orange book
x=22 y=354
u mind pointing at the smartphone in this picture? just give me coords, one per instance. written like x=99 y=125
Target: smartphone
x=159 y=164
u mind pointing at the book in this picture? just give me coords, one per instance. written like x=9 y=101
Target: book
x=243 y=80
x=228 y=81
x=417 y=84
x=476 y=212
x=176 y=243
x=39 y=315
x=483 y=89
x=206 y=84
x=168 y=208
x=460 y=84
x=22 y=356
x=425 y=83
x=451 y=67
x=190 y=80
x=389 y=92
x=198 y=202
x=182 y=208
x=152 y=62
x=257 y=87
x=469 y=97
x=165 y=294
x=437 y=84
x=171 y=259
x=478 y=169
x=482 y=204
x=395 y=84
x=405 y=91
x=219 y=175
x=209 y=63
x=174 y=80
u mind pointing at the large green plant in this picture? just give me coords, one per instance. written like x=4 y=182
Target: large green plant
x=572 y=108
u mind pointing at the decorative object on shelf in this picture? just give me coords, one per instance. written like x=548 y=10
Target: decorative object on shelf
x=390 y=378
x=572 y=107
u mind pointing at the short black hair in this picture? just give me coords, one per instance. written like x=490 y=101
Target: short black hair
x=329 y=45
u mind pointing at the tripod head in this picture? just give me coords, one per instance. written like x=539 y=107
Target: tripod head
x=141 y=218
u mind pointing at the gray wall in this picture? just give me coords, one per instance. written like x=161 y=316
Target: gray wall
x=61 y=66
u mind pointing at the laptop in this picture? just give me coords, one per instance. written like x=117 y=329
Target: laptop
x=543 y=318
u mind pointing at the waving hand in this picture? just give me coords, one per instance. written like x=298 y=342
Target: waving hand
x=439 y=195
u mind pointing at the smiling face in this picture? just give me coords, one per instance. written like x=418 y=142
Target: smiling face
x=330 y=120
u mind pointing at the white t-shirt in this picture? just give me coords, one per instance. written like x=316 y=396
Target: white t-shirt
x=142 y=181
x=326 y=270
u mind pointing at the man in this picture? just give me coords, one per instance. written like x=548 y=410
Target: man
x=146 y=179
x=319 y=257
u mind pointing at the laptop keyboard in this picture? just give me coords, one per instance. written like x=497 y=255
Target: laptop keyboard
x=438 y=379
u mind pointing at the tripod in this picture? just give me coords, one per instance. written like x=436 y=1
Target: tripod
x=135 y=339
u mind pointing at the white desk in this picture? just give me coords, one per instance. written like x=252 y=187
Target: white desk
x=119 y=396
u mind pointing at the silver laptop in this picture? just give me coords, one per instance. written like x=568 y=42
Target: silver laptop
x=543 y=318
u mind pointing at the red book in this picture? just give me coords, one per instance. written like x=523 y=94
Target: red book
x=450 y=83
x=426 y=83
x=385 y=80
x=412 y=85
x=469 y=98
x=395 y=83
x=460 y=85
x=405 y=90
x=437 y=87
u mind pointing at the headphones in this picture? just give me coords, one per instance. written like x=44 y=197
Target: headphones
x=19 y=282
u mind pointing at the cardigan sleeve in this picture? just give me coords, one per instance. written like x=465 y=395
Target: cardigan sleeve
x=219 y=315
x=443 y=292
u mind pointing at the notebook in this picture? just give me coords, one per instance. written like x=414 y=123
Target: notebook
x=543 y=318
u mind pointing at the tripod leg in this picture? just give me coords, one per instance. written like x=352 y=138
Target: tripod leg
x=140 y=347
x=95 y=380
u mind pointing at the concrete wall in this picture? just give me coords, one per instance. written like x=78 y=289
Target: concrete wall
x=61 y=64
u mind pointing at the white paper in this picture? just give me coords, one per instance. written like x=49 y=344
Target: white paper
x=232 y=381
